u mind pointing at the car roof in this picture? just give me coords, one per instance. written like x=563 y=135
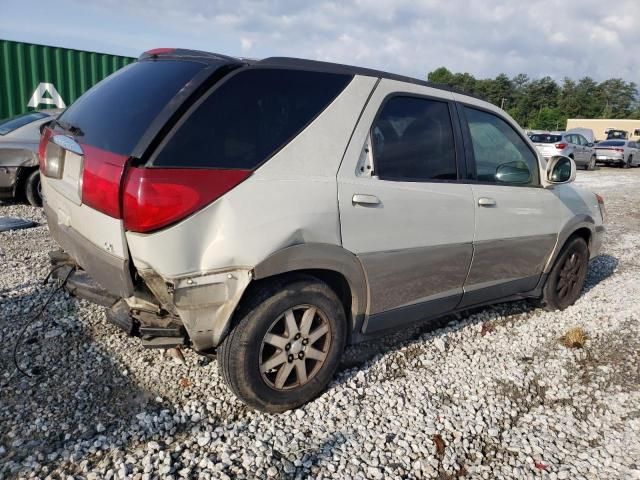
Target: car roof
x=296 y=63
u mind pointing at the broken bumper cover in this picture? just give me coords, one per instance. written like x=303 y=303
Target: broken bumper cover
x=78 y=282
x=110 y=272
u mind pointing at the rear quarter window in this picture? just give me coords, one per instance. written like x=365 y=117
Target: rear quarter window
x=248 y=117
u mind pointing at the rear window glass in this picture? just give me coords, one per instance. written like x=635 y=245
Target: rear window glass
x=249 y=117
x=115 y=113
x=545 y=138
x=611 y=143
x=13 y=123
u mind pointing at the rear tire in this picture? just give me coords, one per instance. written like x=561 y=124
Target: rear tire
x=627 y=164
x=592 y=163
x=32 y=189
x=285 y=346
x=566 y=279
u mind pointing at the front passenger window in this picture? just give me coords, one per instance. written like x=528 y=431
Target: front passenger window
x=501 y=155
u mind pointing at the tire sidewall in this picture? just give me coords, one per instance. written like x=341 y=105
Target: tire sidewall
x=245 y=344
x=550 y=292
x=31 y=189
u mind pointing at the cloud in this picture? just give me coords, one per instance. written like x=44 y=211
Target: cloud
x=482 y=37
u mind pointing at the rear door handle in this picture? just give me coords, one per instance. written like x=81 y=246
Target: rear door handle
x=486 y=202
x=362 y=199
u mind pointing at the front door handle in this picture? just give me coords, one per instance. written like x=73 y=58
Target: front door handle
x=486 y=202
x=362 y=199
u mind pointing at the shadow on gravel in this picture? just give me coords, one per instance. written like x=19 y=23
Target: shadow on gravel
x=76 y=396
x=600 y=268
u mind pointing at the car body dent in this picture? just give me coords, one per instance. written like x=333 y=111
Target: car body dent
x=289 y=200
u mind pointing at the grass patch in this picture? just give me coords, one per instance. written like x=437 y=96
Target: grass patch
x=575 y=337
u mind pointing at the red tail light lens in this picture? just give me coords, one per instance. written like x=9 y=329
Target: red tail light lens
x=157 y=197
x=560 y=146
x=619 y=149
x=101 y=176
x=42 y=148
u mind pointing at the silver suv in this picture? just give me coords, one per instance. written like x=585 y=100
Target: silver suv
x=572 y=145
x=275 y=211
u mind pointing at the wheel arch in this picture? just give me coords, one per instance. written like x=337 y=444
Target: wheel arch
x=583 y=226
x=332 y=264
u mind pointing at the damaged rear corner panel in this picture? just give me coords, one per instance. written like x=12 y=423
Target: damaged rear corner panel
x=204 y=303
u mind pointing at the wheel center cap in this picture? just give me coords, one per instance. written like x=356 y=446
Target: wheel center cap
x=296 y=347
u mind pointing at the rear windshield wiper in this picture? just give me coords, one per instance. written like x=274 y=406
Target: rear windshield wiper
x=72 y=129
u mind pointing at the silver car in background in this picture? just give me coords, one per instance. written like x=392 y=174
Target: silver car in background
x=19 y=140
x=572 y=145
x=624 y=153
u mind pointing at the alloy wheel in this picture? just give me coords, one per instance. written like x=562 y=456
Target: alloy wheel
x=295 y=347
x=569 y=275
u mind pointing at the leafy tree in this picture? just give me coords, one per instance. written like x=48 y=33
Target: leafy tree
x=543 y=103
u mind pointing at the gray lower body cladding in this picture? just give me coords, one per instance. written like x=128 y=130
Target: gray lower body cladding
x=110 y=272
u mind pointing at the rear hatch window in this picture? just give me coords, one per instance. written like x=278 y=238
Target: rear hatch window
x=611 y=143
x=545 y=138
x=116 y=112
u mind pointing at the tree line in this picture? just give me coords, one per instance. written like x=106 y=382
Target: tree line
x=543 y=103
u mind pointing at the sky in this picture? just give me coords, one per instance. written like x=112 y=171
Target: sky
x=570 y=38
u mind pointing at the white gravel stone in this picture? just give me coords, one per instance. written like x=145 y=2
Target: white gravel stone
x=422 y=403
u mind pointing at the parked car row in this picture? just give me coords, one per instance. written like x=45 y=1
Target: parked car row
x=587 y=154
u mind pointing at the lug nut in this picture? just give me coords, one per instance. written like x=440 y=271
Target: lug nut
x=287 y=346
x=297 y=336
x=290 y=358
x=301 y=355
x=305 y=341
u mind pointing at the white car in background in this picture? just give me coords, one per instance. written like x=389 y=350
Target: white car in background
x=621 y=153
x=568 y=144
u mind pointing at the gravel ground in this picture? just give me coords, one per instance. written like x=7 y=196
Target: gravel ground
x=492 y=393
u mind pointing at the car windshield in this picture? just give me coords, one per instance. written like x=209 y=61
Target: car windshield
x=545 y=138
x=611 y=143
x=13 y=123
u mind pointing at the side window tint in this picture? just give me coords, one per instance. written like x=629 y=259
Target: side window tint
x=249 y=117
x=413 y=140
x=501 y=155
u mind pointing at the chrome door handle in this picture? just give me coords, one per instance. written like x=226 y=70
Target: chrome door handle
x=486 y=202
x=362 y=199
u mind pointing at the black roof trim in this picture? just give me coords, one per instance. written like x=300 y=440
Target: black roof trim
x=298 y=63
x=330 y=67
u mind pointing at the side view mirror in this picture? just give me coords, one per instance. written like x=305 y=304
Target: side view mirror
x=561 y=169
x=590 y=144
x=513 y=172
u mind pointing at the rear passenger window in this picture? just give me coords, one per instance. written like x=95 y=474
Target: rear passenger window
x=249 y=117
x=501 y=155
x=413 y=140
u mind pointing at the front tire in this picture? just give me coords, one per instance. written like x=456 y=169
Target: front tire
x=285 y=346
x=566 y=278
x=592 y=163
x=32 y=189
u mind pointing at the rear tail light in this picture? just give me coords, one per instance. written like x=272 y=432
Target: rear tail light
x=157 y=197
x=53 y=160
x=560 y=146
x=44 y=140
x=101 y=176
x=619 y=149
